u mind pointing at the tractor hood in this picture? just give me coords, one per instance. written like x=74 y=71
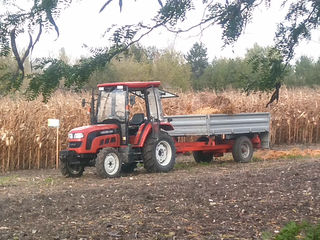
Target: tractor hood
x=98 y=130
x=89 y=139
x=93 y=128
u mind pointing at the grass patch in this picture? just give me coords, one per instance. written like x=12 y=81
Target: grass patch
x=256 y=159
x=189 y=165
x=205 y=164
x=7 y=180
x=293 y=156
x=48 y=181
x=294 y=231
x=184 y=165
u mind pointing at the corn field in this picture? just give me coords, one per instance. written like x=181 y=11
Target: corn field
x=26 y=141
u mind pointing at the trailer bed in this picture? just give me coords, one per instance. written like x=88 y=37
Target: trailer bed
x=222 y=124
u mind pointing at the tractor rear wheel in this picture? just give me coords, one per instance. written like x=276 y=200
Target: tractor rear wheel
x=242 y=149
x=71 y=170
x=108 y=163
x=159 y=154
x=201 y=156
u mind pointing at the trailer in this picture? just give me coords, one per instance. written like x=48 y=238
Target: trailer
x=116 y=142
x=218 y=132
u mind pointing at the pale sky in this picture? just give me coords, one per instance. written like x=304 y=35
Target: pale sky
x=82 y=24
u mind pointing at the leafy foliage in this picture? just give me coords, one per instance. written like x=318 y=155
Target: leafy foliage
x=267 y=66
x=303 y=17
x=17 y=21
x=48 y=80
x=137 y=64
x=8 y=79
x=233 y=16
x=76 y=76
x=224 y=73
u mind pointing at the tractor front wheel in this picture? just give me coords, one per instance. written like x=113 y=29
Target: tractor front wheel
x=159 y=154
x=108 y=163
x=71 y=170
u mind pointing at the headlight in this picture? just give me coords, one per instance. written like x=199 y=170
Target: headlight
x=75 y=135
x=78 y=135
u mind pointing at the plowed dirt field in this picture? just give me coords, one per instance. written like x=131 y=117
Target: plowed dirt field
x=221 y=200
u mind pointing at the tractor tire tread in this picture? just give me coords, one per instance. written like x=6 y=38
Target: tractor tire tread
x=65 y=171
x=149 y=161
x=100 y=163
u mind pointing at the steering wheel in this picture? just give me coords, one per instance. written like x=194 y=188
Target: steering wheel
x=119 y=113
x=117 y=116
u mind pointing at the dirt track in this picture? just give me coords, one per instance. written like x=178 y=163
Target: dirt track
x=222 y=200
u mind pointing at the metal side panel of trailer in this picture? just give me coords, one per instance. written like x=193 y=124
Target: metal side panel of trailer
x=218 y=124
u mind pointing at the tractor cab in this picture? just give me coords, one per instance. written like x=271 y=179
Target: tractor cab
x=116 y=102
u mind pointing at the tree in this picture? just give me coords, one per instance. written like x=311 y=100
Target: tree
x=198 y=60
x=224 y=73
x=306 y=72
x=233 y=16
x=7 y=68
x=128 y=70
x=267 y=66
x=170 y=68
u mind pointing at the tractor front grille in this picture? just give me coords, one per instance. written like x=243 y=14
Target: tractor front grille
x=75 y=144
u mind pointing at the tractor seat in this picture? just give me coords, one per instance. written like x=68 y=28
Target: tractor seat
x=137 y=119
x=135 y=122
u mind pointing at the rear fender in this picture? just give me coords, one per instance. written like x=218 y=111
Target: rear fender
x=142 y=134
x=145 y=130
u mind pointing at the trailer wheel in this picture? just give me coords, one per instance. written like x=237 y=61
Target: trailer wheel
x=128 y=167
x=242 y=149
x=69 y=170
x=108 y=163
x=200 y=156
x=159 y=155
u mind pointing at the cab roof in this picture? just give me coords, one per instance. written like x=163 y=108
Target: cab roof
x=135 y=85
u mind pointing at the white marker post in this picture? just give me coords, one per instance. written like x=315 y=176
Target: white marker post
x=55 y=123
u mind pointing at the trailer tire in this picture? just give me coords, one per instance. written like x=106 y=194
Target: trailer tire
x=200 y=156
x=159 y=154
x=108 y=163
x=242 y=149
x=128 y=167
x=68 y=170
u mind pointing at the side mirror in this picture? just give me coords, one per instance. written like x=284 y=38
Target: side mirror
x=132 y=100
x=83 y=102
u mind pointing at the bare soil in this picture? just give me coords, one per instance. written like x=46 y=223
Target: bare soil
x=221 y=200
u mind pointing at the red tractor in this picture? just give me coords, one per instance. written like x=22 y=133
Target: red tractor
x=114 y=143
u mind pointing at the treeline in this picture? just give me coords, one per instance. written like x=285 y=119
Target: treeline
x=250 y=72
x=193 y=70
